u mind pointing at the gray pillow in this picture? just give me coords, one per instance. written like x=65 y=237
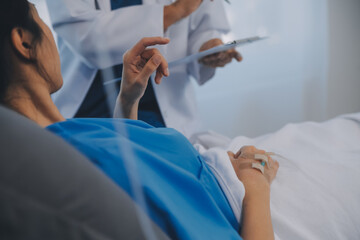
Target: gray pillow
x=50 y=191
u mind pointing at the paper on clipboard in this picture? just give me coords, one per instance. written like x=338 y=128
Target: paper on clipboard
x=217 y=49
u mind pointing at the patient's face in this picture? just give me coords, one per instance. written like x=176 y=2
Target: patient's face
x=47 y=55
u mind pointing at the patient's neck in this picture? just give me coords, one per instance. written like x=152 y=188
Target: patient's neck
x=32 y=99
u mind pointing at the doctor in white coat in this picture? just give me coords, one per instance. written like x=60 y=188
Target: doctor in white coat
x=92 y=36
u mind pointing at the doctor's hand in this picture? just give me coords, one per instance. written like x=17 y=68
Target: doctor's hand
x=178 y=10
x=218 y=59
x=138 y=65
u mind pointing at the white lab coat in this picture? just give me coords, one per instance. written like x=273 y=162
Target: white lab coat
x=91 y=39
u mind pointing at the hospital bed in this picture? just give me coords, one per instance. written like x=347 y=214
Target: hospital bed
x=49 y=191
x=316 y=194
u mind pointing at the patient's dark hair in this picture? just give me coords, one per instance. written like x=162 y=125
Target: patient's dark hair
x=14 y=13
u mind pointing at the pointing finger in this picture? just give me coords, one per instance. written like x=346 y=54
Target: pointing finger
x=146 y=42
x=148 y=53
x=150 y=67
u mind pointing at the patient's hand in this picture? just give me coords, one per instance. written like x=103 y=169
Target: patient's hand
x=256 y=204
x=242 y=163
x=218 y=59
x=139 y=63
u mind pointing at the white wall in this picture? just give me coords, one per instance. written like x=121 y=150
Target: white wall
x=344 y=61
x=281 y=80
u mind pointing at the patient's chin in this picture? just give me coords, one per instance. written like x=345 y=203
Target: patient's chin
x=57 y=85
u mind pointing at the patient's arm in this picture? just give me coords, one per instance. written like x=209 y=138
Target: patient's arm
x=139 y=63
x=256 y=205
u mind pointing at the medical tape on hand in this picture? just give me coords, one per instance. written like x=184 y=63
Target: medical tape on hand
x=262 y=158
x=258 y=166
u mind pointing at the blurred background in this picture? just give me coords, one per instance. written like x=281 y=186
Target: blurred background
x=309 y=68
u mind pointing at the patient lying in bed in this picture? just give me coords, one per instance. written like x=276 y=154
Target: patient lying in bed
x=214 y=192
x=158 y=167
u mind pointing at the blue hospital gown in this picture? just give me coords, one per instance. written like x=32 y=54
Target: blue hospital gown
x=182 y=195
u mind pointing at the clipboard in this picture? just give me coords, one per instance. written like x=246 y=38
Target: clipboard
x=217 y=49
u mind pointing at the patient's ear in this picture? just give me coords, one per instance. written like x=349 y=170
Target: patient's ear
x=22 y=42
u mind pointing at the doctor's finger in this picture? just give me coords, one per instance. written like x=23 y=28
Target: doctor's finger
x=235 y=54
x=217 y=60
x=146 y=42
x=224 y=59
x=208 y=61
x=238 y=57
x=210 y=58
x=228 y=55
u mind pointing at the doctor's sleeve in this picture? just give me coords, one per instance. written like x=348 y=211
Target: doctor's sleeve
x=101 y=37
x=208 y=22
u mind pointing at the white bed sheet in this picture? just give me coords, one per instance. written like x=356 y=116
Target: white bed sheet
x=316 y=194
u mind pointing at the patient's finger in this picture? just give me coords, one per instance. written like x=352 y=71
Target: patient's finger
x=231 y=154
x=247 y=148
x=150 y=67
x=163 y=68
x=250 y=151
x=273 y=163
x=146 y=42
x=238 y=154
x=158 y=76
